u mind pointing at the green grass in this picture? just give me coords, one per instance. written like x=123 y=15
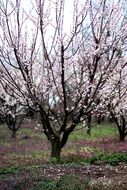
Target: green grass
x=40 y=154
x=9 y=170
x=32 y=133
x=26 y=159
x=23 y=131
x=4 y=132
x=111 y=158
x=97 y=131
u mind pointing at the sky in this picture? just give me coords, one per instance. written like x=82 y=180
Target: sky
x=68 y=10
x=26 y=5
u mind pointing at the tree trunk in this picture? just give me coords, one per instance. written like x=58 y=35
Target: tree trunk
x=121 y=133
x=89 y=130
x=14 y=134
x=89 y=125
x=55 y=150
x=122 y=136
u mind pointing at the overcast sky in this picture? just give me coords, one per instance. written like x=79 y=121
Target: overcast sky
x=68 y=10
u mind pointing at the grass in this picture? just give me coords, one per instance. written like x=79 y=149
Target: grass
x=31 y=133
x=24 y=131
x=36 y=147
x=97 y=131
x=9 y=170
x=111 y=158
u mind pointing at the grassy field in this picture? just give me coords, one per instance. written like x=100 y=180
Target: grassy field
x=26 y=164
x=97 y=131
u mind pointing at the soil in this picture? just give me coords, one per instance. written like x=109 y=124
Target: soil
x=103 y=176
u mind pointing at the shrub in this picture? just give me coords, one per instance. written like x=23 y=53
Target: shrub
x=112 y=158
x=46 y=184
x=9 y=170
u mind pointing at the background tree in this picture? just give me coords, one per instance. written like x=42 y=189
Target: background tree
x=113 y=98
x=11 y=111
x=118 y=102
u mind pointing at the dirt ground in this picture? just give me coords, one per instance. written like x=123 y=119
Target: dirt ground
x=100 y=177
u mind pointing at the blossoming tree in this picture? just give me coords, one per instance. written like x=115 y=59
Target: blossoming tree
x=113 y=98
x=11 y=111
x=118 y=101
x=59 y=70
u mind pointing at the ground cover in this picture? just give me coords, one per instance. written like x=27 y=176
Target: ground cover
x=90 y=163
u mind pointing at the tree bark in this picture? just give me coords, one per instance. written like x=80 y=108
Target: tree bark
x=121 y=133
x=99 y=120
x=55 y=150
x=122 y=136
x=89 y=125
x=14 y=134
x=89 y=130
